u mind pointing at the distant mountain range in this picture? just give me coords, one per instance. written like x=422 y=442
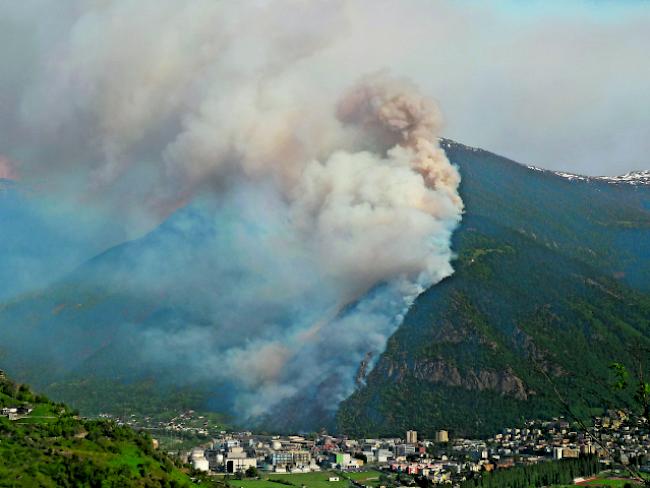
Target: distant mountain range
x=552 y=280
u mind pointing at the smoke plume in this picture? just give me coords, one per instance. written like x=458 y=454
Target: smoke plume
x=325 y=205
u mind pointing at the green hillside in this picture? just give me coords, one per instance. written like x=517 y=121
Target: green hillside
x=551 y=281
x=48 y=445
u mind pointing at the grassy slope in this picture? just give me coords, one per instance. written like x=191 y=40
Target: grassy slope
x=51 y=447
x=546 y=278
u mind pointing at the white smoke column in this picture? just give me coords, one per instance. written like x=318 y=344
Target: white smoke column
x=332 y=207
x=370 y=227
x=381 y=218
x=401 y=116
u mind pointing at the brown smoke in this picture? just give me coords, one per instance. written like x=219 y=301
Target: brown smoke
x=397 y=114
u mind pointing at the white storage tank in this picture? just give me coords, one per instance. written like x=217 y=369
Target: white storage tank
x=200 y=464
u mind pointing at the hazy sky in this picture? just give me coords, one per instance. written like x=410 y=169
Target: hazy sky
x=559 y=84
x=562 y=85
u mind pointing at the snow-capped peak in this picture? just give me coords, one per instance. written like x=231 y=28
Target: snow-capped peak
x=633 y=177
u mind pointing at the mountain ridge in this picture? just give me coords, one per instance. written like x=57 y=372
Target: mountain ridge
x=535 y=250
x=542 y=283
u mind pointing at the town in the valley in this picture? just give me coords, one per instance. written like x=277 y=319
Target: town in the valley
x=617 y=440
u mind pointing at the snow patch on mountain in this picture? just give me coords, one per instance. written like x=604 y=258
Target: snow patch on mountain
x=641 y=177
x=632 y=178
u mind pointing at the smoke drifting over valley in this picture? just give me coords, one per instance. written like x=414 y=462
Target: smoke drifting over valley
x=304 y=206
x=250 y=194
x=312 y=262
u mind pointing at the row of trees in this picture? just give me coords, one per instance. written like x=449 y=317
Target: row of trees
x=543 y=474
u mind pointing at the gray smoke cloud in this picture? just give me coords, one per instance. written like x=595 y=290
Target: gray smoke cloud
x=329 y=203
x=326 y=202
x=562 y=85
x=319 y=201
x=329 y=253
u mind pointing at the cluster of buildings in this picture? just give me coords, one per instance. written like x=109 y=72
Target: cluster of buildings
x=615 y=438
x=188 y=423
x=15 y=413
x=230 y=453
x=233 y=452
x=626 y=439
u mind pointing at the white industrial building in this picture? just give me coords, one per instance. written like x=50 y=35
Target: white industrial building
x=236 y=460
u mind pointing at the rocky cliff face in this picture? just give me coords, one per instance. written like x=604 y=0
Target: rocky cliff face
x=440 y=371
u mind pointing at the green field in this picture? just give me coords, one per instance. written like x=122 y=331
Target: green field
x=607 y=482
x=310 y=480
x=370 y=477
x=42 y=413
x=604 y=481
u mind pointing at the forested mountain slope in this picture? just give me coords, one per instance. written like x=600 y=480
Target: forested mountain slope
x=552 y=279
